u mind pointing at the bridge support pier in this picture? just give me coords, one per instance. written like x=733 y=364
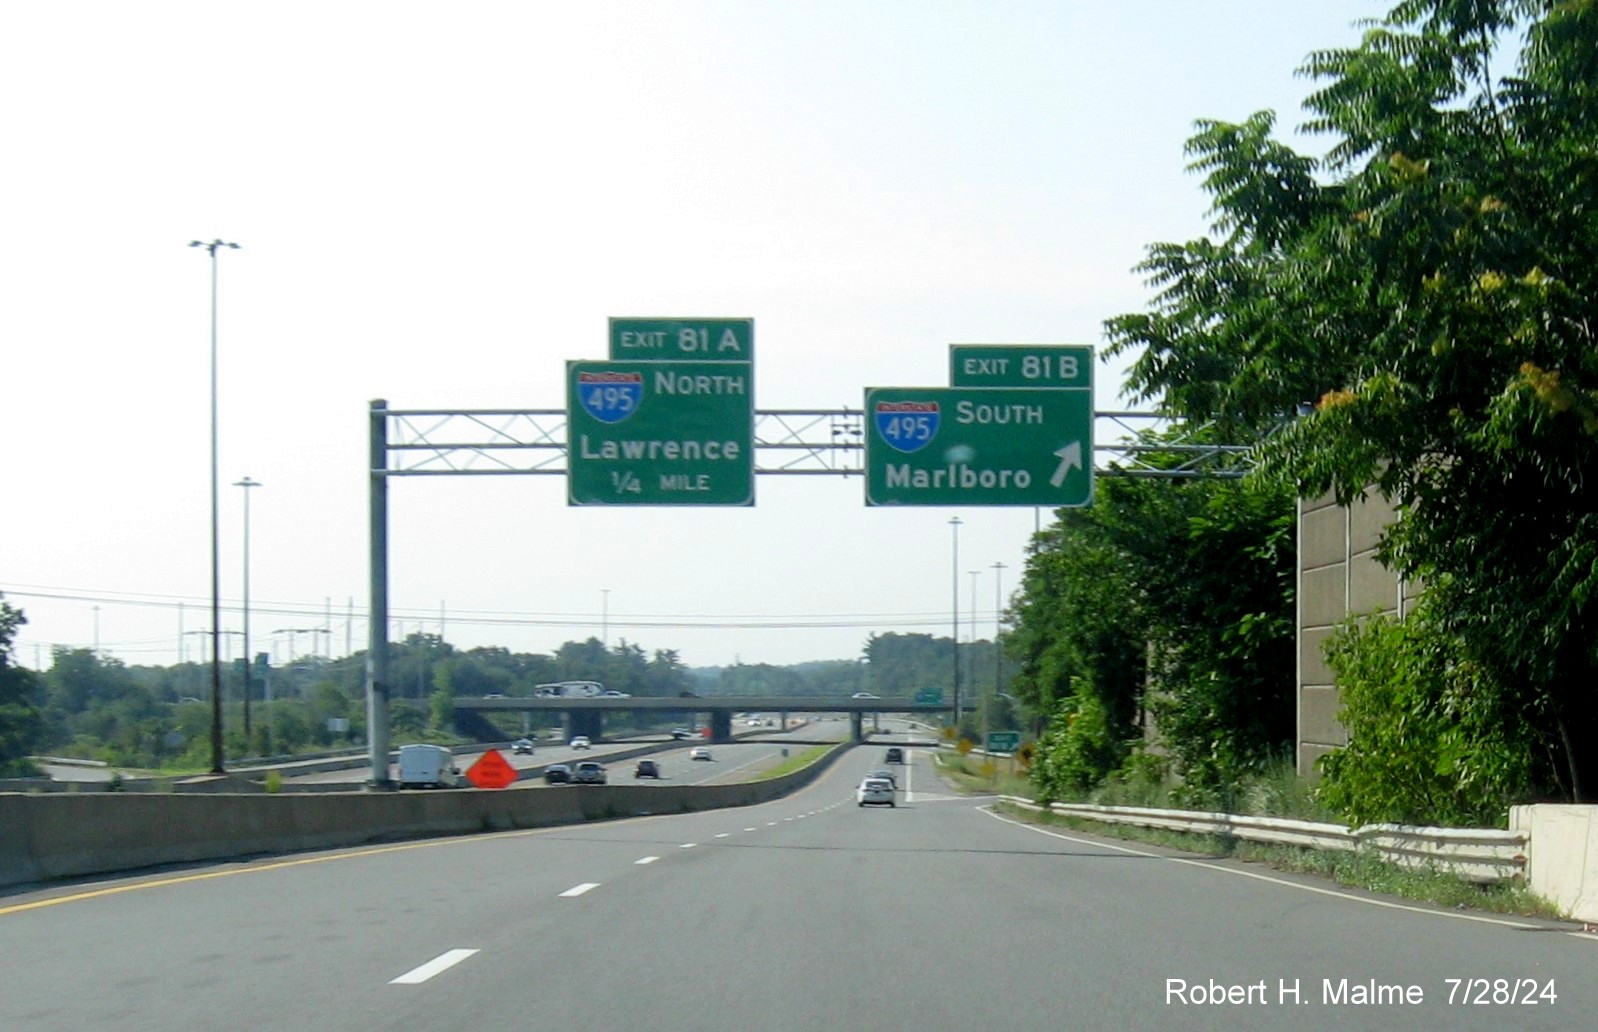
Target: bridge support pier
x=857 y=731
x=720 y=726
x=588 y=722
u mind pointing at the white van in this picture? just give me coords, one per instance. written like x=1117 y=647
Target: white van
x=427 y=766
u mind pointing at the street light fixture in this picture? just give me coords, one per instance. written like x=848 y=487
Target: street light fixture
x=216 y=574
x=249 y=668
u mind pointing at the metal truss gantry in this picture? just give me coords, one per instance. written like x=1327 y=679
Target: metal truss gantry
x=788 y=442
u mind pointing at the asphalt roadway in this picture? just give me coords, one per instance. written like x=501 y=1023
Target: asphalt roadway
x=805 y=913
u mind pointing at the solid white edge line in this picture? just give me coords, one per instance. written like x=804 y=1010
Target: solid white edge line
x=1212 y=866
x=442 y=962
x=578 y=890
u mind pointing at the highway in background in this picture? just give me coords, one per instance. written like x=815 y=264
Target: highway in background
x=807 y=912
x=759 y=747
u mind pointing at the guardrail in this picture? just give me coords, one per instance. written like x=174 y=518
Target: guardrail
x=1482 y=855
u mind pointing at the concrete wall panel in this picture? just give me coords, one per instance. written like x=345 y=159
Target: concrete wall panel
x=1322 y=596
x=1323 y=537
x=1368 y=520
x=1317 y=717
x=1372 y=587
x=1312 y=668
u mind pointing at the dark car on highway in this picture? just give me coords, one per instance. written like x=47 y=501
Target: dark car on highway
x=557 y=774
x=647 y=769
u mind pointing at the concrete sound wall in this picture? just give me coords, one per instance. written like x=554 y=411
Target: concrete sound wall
x=50 y=836
x=1338 y=576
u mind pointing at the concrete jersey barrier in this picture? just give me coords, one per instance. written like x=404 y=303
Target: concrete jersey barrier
x=68 y=835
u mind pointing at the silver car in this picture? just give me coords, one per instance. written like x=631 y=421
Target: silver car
x=874 y=791
x=588 y=772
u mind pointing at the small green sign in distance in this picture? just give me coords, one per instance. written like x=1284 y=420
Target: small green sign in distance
x=978 y=446
x=660 y=433
x=1049 y=366
x=1004 y=741
x=682 y=340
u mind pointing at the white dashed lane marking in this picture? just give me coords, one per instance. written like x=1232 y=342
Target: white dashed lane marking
x=442 y=962
x=646 y=860
x=578 y=890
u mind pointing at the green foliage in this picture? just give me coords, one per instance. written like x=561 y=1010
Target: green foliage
x=22 y=727
x=1079 y=750
x=1196 y=576
x=1427 y=291
x=1431 y=739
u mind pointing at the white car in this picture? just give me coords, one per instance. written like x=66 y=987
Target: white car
x=863 y=695
x=522 y=746
x=699 y=753
x=615 y=695
x=874 y=790
x=580 y=742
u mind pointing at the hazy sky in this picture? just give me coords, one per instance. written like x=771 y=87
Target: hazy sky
x=440 y=205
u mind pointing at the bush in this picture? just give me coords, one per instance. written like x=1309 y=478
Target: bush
x=1079 y=750
x=1431 y=739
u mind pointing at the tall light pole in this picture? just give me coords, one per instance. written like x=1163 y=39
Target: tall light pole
x=971 y=650
x=216 y=572
x=247 y=483
x=604 y=618
x=954 y=524
x=998 y=622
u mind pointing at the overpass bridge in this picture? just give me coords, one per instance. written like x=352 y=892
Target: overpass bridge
x=586 y=716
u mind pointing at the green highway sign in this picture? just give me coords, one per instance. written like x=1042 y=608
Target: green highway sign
x=929 y=695
x=682 y=340
x=1052 y=366
x=660 y=433
x=978 y=446
x=1004 y=741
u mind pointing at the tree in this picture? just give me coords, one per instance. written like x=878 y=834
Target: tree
x=21 y=722
x=1428 y=286
x=1198 y=576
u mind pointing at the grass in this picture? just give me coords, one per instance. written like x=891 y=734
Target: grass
x=1278 y=792
x=1355 y=870
x=967 y=774
x=793 y=763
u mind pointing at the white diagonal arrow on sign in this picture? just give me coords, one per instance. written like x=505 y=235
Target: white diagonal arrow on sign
x=1070 y=458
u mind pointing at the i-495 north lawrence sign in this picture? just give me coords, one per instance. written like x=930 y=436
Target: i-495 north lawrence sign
x=660 y=433
x=978 y=446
